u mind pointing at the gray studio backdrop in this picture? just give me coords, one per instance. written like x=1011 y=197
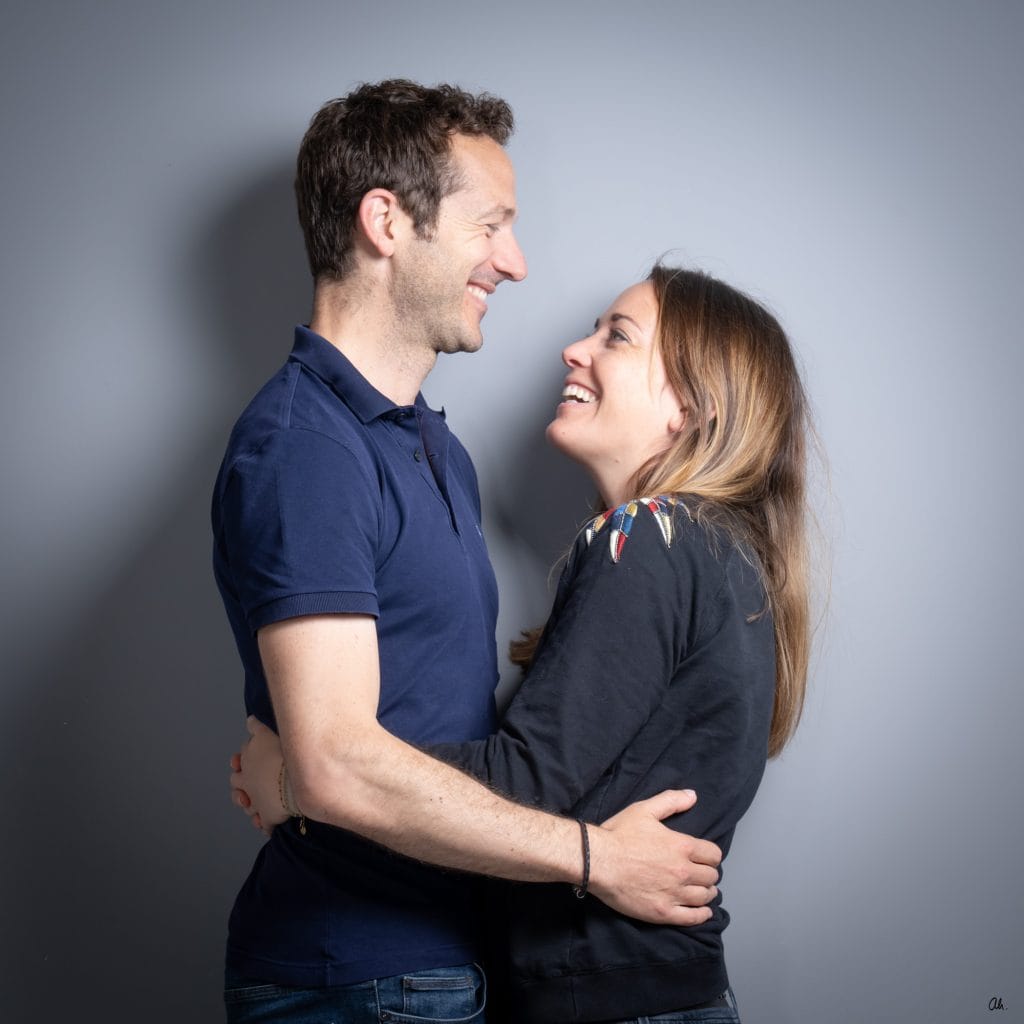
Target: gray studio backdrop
x=858 y=166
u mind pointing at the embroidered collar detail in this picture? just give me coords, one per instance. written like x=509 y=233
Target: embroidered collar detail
x=621 y=520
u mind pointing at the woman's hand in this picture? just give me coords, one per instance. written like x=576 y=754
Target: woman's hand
x=256 y=777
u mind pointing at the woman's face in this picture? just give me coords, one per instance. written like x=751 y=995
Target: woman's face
x=617 y=408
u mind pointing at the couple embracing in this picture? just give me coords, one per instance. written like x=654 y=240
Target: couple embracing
x=350 y=558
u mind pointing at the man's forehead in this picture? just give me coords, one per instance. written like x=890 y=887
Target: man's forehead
x=485 y=167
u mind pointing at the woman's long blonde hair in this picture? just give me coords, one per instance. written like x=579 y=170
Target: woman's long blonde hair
x=743 y=451
x=742 y=454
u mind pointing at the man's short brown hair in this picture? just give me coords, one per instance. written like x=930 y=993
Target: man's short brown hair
x=394 y=135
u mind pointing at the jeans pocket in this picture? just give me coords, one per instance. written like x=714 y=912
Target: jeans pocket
x=446 y=994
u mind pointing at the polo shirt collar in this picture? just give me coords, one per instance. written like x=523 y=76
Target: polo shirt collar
x=319 y=356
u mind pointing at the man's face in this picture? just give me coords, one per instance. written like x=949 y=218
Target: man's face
x=443 y=283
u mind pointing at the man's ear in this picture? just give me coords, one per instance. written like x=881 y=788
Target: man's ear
x=381 y=221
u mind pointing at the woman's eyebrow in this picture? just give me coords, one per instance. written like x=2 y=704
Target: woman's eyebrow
x=613 y=317
x=622 y=316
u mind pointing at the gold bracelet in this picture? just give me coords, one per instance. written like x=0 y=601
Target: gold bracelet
x=283 y=789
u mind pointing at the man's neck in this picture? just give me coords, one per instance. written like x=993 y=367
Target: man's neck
x=362 y=325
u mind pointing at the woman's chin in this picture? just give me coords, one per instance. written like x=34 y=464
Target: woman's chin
x=554 y=434
x=561 y=440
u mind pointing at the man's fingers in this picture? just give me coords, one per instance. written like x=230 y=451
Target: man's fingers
x=250 y=723
x=669 y=802
x=703 y=851
x=240 y=798
x=702 y=875
x=676 y=801
x=697 y=895
x=687 y=917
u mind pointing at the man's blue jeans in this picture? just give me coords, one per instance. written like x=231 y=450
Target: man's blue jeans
x=451 y=994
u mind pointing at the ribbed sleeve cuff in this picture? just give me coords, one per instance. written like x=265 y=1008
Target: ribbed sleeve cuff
x=337 y=603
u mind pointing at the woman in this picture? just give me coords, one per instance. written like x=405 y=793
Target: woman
x=676 y=651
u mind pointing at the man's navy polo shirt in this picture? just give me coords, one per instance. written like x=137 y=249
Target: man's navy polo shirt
x=331 y=499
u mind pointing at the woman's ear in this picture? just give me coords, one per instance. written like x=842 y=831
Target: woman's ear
x=380 y=221
x=678 y=421
x=689 y=421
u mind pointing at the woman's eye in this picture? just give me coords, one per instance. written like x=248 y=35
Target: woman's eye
x=616 y=335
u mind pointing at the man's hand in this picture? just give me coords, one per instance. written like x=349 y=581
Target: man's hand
x=255 y=777
x=643 y=869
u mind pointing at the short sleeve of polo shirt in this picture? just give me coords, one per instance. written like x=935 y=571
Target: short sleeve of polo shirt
x=301 y=528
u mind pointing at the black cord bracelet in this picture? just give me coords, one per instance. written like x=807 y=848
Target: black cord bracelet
x=581 y=890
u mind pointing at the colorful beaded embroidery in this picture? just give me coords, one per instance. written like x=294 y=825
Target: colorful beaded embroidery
x=622 y=518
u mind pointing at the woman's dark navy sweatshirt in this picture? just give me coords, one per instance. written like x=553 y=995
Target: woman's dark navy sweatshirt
x=656 y=670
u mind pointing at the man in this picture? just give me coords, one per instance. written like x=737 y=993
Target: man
x=350 y=558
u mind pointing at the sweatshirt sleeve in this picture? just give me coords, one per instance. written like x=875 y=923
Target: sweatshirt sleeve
x=609 y=653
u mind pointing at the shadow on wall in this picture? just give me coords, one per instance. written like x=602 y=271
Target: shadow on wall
x=542 y=497
x=535 y=506
x=124 y=854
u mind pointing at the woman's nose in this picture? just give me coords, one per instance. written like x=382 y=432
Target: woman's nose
x=576 y=354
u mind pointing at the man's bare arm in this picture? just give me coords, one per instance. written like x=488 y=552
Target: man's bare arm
x=346 y=770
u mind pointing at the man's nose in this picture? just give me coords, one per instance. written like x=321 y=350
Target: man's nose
x=509 y=259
